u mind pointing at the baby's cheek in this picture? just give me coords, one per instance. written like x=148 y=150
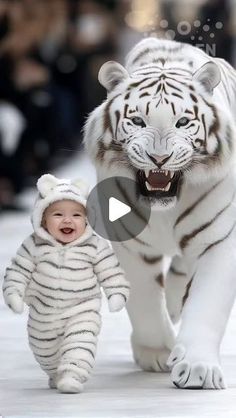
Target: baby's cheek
x=82 y=227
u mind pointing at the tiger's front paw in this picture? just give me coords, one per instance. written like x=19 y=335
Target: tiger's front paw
x=195 y=369
x=150 y=359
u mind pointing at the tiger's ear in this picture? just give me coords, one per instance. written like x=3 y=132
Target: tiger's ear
x=208 y=75
x=111 y=74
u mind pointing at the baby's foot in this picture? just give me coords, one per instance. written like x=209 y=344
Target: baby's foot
x=69 y=383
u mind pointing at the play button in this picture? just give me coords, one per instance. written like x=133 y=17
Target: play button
x=115 y=210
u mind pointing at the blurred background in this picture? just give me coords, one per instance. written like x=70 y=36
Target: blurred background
x=50 y=54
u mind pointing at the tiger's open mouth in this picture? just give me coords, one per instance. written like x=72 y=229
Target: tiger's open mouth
x=158 y=183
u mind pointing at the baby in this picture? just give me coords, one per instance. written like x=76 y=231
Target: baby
x=58 y=272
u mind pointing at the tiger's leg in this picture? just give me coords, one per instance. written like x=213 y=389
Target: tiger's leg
x=153 y=334
x=176 y=287
x=195 y=358
x=78 y=347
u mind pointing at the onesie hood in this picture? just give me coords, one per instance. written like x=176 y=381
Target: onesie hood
x=52 y=189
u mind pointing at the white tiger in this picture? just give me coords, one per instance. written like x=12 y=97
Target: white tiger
x=168 y=122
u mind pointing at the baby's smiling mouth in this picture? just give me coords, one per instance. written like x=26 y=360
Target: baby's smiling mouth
x=67 y=230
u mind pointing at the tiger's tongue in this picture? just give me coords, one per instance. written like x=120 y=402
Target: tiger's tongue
x=159 y=180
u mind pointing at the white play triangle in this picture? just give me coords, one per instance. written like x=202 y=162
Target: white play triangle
x=117 y=209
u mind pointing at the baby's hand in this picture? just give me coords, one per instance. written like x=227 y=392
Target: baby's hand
x=116 y=303
x=15 y=302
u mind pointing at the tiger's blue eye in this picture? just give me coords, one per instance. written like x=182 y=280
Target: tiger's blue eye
x=182 y=122
x=138 y=121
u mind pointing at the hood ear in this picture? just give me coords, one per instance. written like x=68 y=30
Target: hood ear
x=111 y=74
x=208 y=75
x=82 y=186
x=46 y=183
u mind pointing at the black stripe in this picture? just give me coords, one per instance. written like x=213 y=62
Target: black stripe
x=214 y=128
x=81 y=360
x=129 y=201
x=78 y=348
x=42 y=303
x=176 y=272
x=173 y=87
x=38 y=320
x=21 y=267
x=117 y=293
x=84 y=331
x=144 y=94
x=65 y=318
x=26 y=249
x=79 y=259
x=188 y=237
x=9 y=280
x=64 y=267
x=104 y=258
x=109 y=268
x=42 y=348
x=217 y=242
x=117 y=113
x=194 y=205
x=110 y=277
x=133 y=237
x=86 y=245
x=204 y=126
x=149 y=85
x=177 y=95
x=121 y=286
x=151 y=259
x=46 y=356
x=63 y=290
x=137 y=83
x=160 y=279
x=193 y=97
x=106 y=115
x=173 y=108
x=83 y=321
x=185 y=297
x=51 y=331
x=43 y=339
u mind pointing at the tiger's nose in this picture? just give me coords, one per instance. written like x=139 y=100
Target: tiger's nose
x=159 y=160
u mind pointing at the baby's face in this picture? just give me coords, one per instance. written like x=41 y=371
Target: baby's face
x=65 y=220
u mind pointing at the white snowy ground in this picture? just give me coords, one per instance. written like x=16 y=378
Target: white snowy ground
x=117 y=387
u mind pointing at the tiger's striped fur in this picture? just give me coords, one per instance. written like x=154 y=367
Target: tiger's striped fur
x=142 y=126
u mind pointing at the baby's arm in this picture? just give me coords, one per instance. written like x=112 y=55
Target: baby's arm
x=111 y=276
x=18 y=275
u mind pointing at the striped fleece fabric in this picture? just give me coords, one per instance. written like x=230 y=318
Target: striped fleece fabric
x=61 y=284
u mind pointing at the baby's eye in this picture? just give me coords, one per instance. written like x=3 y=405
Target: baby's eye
x=77 y=214
x=57 y=214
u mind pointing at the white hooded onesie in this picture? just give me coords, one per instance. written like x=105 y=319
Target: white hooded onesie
x=61 y=285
